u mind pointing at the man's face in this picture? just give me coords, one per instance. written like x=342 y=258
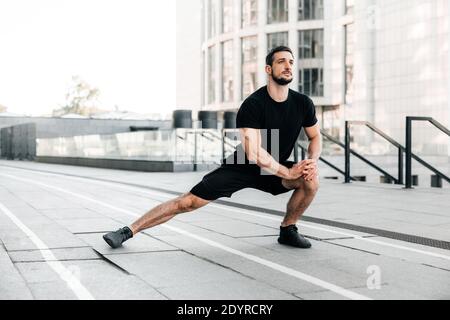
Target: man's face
x=282 y=68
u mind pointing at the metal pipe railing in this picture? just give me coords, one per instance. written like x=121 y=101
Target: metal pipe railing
x=324 y=161
x=410 y=155
x=349 y=152
x=400 y=148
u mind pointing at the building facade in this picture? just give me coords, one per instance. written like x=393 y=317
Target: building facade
x=369 y=60
x=188 y=54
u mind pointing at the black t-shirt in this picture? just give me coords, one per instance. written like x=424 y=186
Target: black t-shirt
x=260 y=111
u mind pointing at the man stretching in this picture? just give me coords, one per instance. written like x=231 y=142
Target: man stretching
x=272 y=111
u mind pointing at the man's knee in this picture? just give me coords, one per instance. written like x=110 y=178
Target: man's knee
x=189 y=202
x=311 y=186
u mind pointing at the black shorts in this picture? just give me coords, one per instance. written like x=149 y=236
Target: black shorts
x=228 y=179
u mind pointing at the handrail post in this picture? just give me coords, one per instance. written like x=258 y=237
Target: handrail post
x=347 y=152
x=195 y=150
x=223 y=144
x=400 y=166
x=408 y=184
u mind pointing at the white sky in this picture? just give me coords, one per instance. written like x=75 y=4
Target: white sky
x=111 y=44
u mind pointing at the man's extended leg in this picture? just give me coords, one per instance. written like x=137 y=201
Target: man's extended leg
x=303 y=195
x=159 y=214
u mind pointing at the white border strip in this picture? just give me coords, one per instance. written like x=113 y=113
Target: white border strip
x=66 y=275
x=291 y=272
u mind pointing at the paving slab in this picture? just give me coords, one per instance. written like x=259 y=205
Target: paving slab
x=90 y=225
x=10 y=200
x=77 y=213
x=101 y=279
x=262 y=273
x=243 y=289
x=139 y=243
x=51 y=290
x=383 y=293
x=105 y=281
x=415 y=257
x=422 y=280
x=12 y=285
x=173 y=269
x=46 y=200
x=48 y=231
x=235 y=228
x=204 y=215
x=348 y=269
x=272 y=221
x=52 y=237
x=84 y=253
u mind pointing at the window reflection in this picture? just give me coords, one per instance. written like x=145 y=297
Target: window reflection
x=249 y=65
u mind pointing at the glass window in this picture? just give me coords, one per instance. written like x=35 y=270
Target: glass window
x=249 y=13
x=212 y=18
x=277 y=11
x=203 y=21
x=348 y=84
x=276 y=39
x=349 y=39
x=349 y=49
x=203 y=77
x=227 y=20
x=310 y=9
x=349 y=6
x=311 y=82
x=249 y=65
x=311 y=44
x=227 y=71
x=212 y=74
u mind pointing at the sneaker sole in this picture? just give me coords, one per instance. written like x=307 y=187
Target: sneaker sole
x=290 y=245
x=109 y=242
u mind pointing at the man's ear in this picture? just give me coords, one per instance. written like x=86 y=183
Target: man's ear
x=268 y=69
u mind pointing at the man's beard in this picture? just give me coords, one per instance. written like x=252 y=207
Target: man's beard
x=281 y=81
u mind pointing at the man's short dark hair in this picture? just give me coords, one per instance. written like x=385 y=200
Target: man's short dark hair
x=269 y=58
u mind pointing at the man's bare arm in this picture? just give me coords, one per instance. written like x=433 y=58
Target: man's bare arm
x=314 y=150
x=251 y=143
x=315 y=142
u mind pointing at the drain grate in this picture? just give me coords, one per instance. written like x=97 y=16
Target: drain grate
x=379 y=232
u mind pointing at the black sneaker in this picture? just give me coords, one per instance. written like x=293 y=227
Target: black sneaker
x=116 y=238
x=289 y=236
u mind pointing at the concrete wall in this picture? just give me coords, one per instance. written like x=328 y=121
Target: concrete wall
x=57 y=127
x=19 y=141
x=133 y=165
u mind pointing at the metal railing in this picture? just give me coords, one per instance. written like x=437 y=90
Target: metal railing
x=410 y=155
x=303 y=149
x=401 y=149
x=398 y=180
x=348 y=152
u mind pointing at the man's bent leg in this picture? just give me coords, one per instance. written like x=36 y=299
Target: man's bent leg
x=304 y=194
x=302 y=197
x=159 y=214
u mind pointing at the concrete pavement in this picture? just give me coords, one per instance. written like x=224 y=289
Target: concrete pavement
x=226 y=250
